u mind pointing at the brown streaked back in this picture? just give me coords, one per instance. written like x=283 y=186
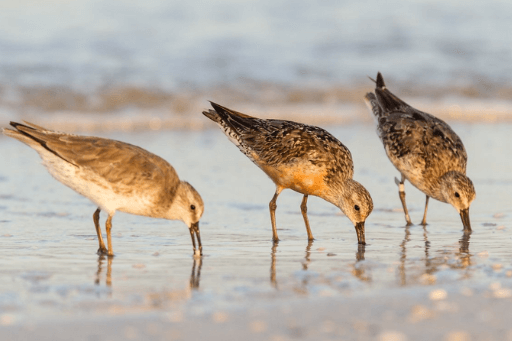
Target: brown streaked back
x=278 y=143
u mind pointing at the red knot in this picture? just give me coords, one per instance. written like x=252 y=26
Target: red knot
x=425 y=150
x=301 y=157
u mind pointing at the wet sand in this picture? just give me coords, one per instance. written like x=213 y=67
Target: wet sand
x=407 y=284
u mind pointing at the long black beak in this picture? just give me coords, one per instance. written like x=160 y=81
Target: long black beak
x=360 y=232
x=194 y=229
x=464 y=215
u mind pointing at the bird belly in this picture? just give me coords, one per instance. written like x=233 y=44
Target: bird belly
x=107 y=196
x=301 y=178
x=414 y=171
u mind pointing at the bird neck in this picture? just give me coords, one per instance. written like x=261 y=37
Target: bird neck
x=178 y=205
x=444 y=185
x=339 y=192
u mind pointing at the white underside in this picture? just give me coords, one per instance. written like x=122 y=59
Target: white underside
x=99 y=191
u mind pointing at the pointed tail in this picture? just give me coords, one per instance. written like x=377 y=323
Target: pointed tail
x=32 y=135
x=228 y=118
x=23 y=133
x=388 y=102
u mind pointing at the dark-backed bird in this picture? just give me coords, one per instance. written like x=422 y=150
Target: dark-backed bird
x=425 y=150
x=301 y=157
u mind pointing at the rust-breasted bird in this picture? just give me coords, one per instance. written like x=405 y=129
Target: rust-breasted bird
x=300 y=157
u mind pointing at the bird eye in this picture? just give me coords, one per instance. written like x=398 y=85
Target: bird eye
x=356 y=208
x=192 y=207
x=457 y=195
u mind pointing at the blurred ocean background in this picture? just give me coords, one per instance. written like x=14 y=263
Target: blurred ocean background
x=156 y=63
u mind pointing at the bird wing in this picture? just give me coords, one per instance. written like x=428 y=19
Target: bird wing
x=279 y=142
x=115 y=161
x=408 y=133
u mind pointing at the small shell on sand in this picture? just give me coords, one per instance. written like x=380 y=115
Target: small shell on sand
x=389 y=335
x=458 y=336
x=428 y=279
x=497 y=266
x=438 y=294
x=483 y=254
x=419 y=313
x=220 y=317
x=502 y=293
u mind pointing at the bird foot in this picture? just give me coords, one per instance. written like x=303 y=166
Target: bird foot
x=102 y=251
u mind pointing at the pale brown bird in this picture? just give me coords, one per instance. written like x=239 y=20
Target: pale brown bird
x=116 y=176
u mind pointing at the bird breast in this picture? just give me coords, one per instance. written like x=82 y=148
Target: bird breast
x=302 y=177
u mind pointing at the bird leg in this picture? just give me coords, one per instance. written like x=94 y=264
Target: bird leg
x=424 y=221
x=96 y=218
x=401 y=192
x=193 y=239
x=198 y=236
x=109 y=236
x=304 y=210
x=272 y=205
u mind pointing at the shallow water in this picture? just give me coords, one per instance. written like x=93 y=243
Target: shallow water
x=167 y=45
x=49 y=270
x=153 y=58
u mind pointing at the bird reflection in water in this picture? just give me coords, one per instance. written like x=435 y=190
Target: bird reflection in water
x=463 y=254
x=307 y=259
x=305 y=279
x=305 y=264
x=359 y=270
x=403 y=254
x=273 y=280
x=102 y=259
x=196 y=273
x=361 y=248
x=101 y=264
x=434 y=263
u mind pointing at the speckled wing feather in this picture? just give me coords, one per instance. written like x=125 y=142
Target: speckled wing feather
x=103 y=156
x=278 y=142
x=417 y=143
